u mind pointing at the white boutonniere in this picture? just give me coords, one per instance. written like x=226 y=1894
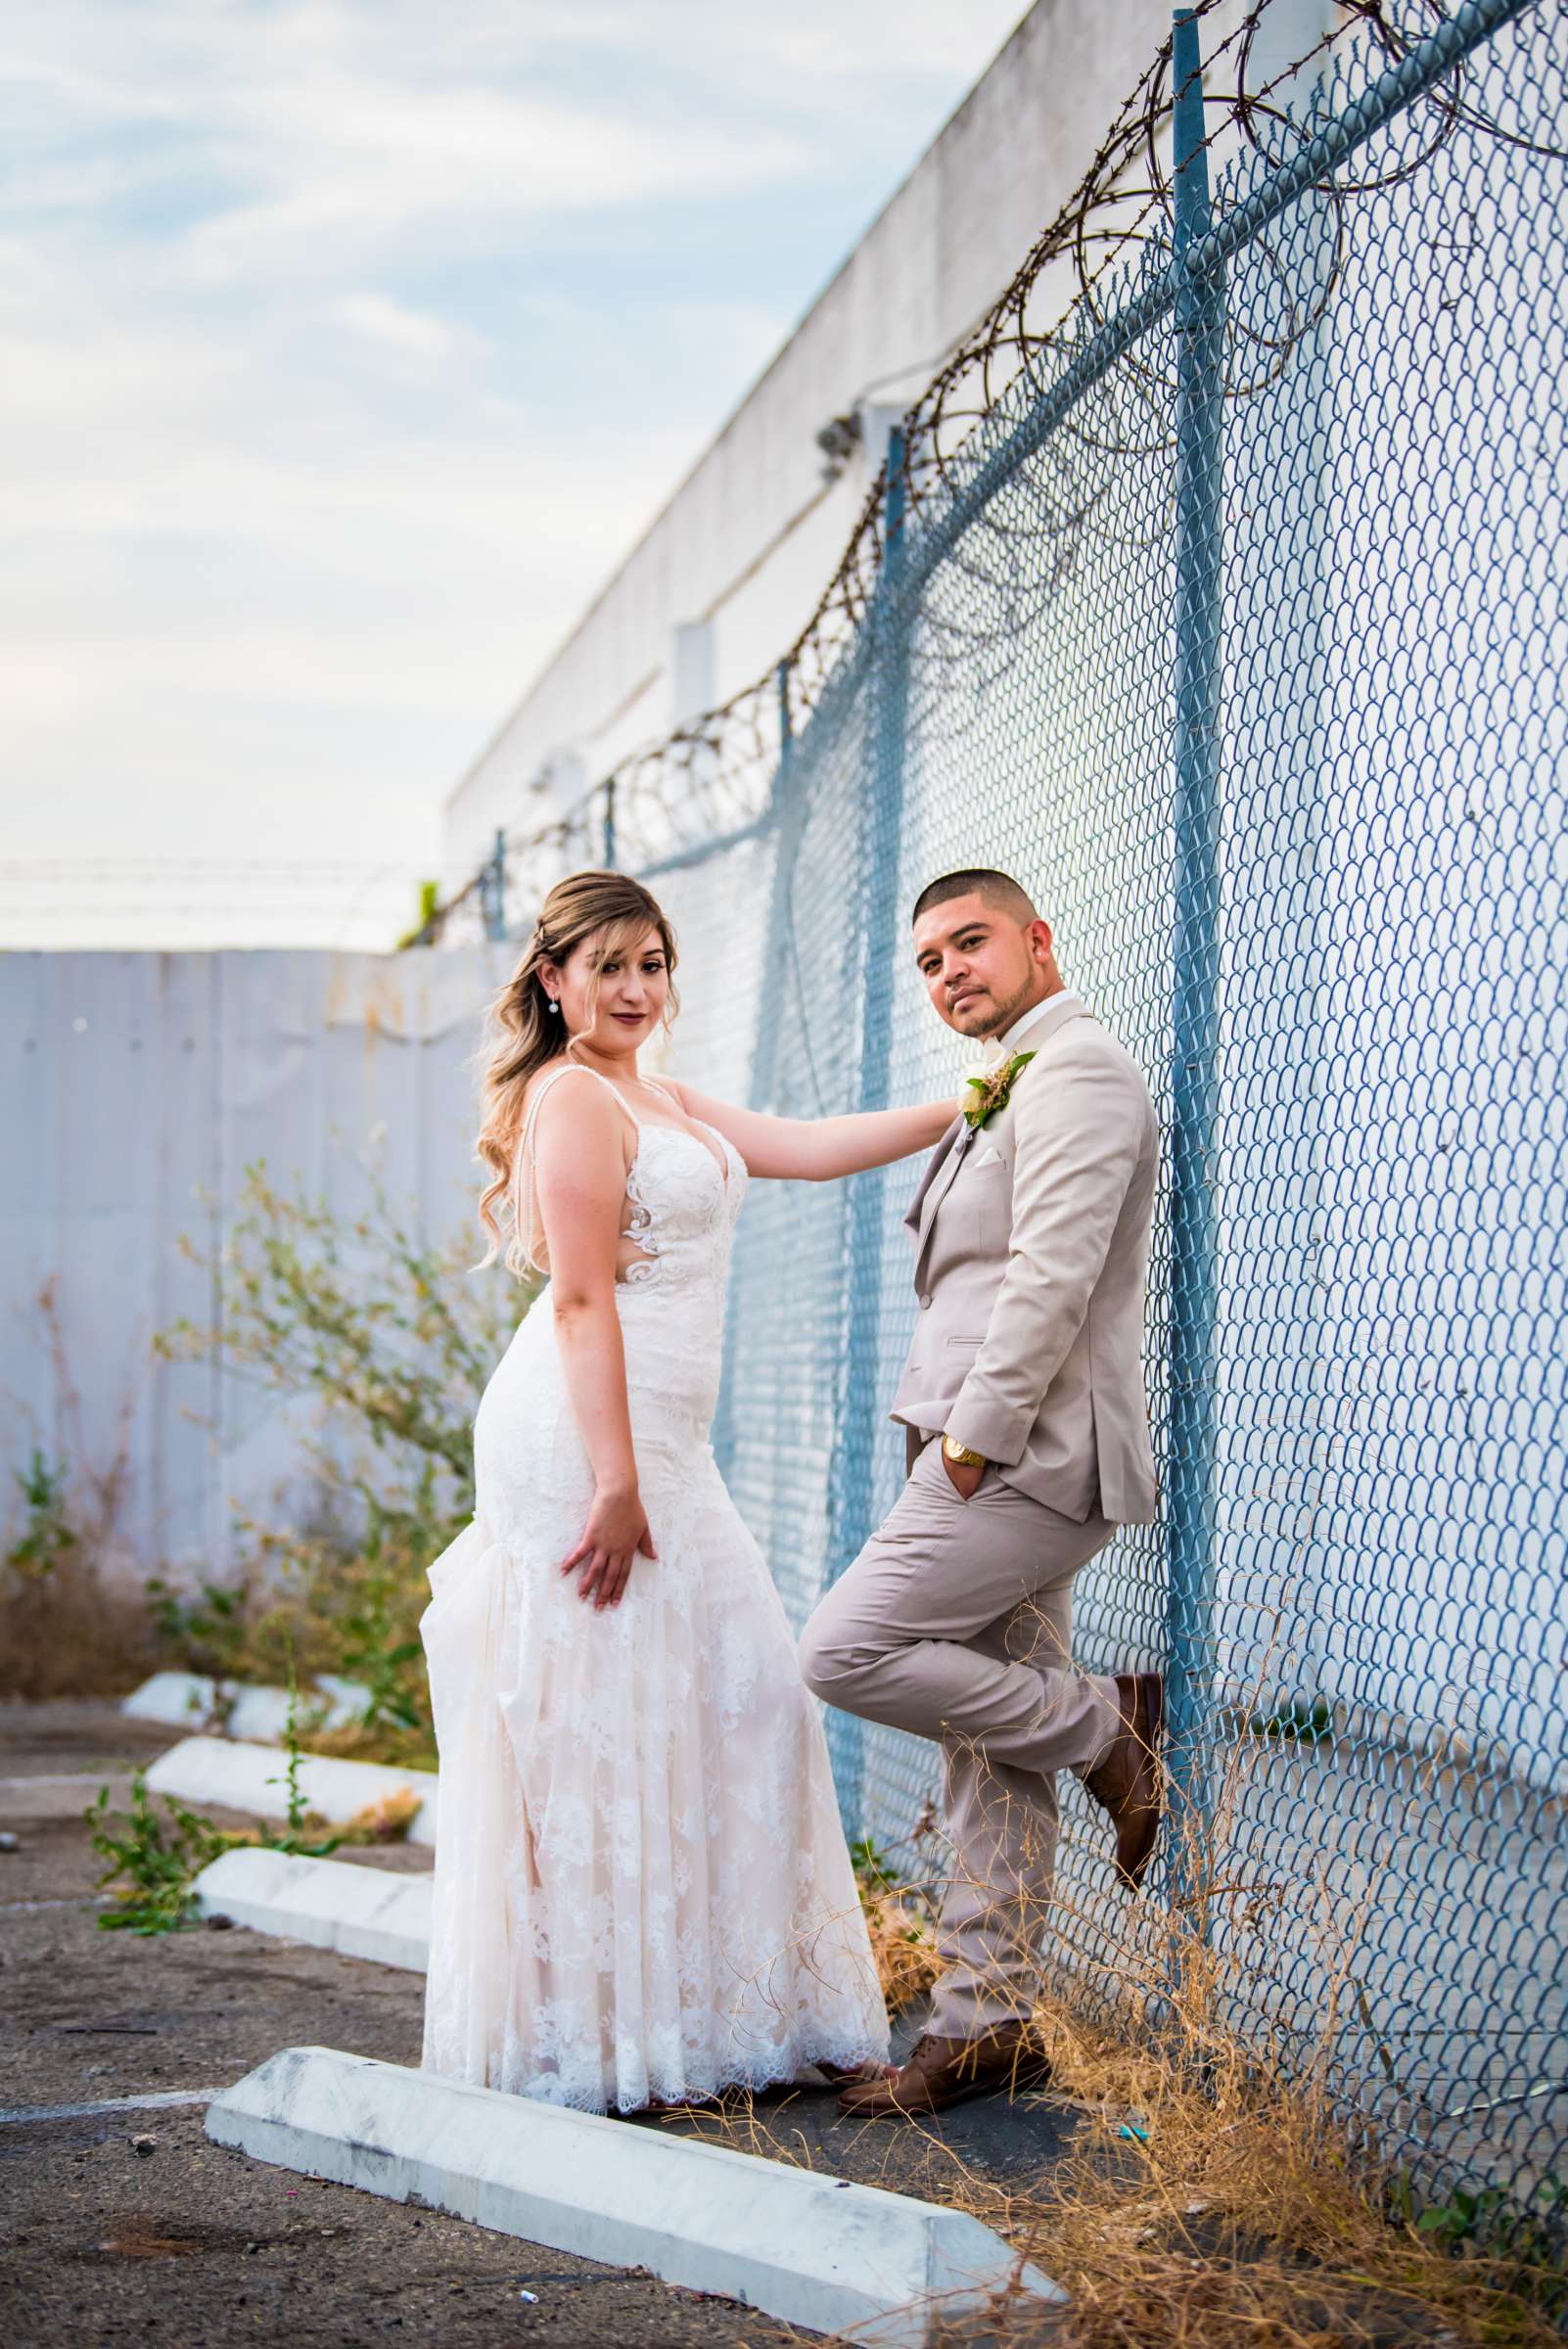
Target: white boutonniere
x=991 y=1089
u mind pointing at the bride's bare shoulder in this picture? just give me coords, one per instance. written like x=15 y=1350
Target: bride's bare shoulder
x=565 y=1099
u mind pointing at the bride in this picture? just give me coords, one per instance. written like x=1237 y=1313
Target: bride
x=642 y=1891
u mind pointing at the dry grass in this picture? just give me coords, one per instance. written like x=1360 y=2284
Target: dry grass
x=1211 y=2202
x=73 y=1614
x=74 y=1630
x=387 y=1820
x=904 y=1948
x=1210 y=2197
x=384 y=1741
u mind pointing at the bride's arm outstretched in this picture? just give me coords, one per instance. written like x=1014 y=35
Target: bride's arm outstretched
x=817 y=1149
x=580 y=1176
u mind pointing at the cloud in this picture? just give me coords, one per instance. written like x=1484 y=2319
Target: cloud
x=350 y=345
x=417 y=333
x=302 y=133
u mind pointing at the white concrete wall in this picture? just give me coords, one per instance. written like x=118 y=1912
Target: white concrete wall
x=929 y=266
x=140 y=1086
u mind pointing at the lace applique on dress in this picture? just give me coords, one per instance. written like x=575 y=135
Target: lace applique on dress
x=640 y=1228
x=672 y=1224
x=657 y=1228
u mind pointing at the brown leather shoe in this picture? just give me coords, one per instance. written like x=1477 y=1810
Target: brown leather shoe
x=949 y=2071
x=1126 y=1781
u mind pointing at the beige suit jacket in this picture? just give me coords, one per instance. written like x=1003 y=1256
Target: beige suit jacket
x=1031 y=1251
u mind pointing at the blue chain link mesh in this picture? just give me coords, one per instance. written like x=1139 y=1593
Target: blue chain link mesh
x=1239 y=634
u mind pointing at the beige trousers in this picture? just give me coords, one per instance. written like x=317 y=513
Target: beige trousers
x=953 y=1623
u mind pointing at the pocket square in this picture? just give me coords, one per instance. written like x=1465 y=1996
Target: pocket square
x=990 y=1156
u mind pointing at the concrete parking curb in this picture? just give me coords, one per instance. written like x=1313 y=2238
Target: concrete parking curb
x=189 y=1700
x=250 y=1777
x=808 y=2249
x=357 y=1910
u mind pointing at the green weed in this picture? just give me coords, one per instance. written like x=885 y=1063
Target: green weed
x=153 y=1860
x=47 y=1531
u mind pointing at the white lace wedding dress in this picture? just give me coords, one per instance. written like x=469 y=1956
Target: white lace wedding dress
x=642 y=1891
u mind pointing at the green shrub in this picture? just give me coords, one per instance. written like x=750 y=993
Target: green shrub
x=390 y=1342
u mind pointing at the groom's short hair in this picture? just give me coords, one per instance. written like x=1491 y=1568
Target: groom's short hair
x=999 y=891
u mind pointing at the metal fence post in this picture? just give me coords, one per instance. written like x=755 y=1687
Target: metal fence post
x=785 y=818
x=1199 y=321
x=493 y=890
x=1279 y=1659
x=860 y=1406
x=609 y=825
x=786 y=814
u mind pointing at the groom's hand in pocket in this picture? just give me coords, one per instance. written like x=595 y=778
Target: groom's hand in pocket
x=965 y=1476
x=616 y=1532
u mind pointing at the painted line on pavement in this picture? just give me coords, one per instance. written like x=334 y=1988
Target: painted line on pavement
x=85 y=2112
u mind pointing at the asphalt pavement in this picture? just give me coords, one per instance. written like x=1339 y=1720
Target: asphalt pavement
x=121 y=2223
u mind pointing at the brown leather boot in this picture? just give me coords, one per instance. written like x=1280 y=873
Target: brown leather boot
x=1125 y=1780
x=949 y=2071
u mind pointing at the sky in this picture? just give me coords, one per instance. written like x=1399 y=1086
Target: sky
x=347 y=346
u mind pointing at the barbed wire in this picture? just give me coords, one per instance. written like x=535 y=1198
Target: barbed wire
x=707 y=778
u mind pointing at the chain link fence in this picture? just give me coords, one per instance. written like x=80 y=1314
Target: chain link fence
x=1236 y=626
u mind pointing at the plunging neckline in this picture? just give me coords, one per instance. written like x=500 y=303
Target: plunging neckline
x=720 y=1157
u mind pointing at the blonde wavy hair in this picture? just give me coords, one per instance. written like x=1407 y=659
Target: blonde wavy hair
x=614 y=912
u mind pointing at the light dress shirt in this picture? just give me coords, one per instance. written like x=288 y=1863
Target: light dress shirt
x=1002 y=1047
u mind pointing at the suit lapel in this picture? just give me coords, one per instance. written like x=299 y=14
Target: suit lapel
x=941 y=1179
x=934 y=1165
x=948 y=1156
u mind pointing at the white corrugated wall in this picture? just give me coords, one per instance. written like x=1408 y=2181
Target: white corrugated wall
x=141 y=1086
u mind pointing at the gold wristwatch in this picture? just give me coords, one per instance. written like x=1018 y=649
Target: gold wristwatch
x=961 y=1455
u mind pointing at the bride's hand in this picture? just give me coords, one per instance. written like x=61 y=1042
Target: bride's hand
x=615 y=1531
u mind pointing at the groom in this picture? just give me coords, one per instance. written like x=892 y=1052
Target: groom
x=1028 y=1441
